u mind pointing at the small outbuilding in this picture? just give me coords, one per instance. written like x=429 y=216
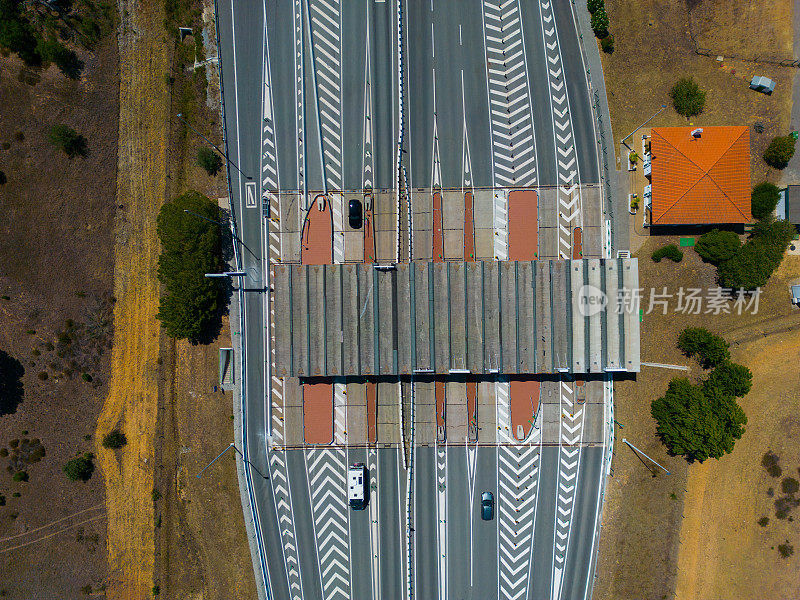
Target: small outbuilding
x=762 y=84
x=792 y=199
x=796 y=294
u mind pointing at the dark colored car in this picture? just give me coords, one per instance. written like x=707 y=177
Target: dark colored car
x=487 y=506
x=355 y=214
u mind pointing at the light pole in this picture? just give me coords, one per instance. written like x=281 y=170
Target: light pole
x=228 y=274
x=213 y=145
x=658 y=112
x=232 y=445
x=635 y=449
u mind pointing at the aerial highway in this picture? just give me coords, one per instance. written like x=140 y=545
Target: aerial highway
x=418 y=203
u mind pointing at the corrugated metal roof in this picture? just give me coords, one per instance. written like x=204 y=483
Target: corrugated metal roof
x=700 y=180
x=793 y=204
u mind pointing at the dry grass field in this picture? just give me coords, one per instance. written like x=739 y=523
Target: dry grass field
x=653 y=50
x=696 y=530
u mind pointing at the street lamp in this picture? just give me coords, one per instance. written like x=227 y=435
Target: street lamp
x=658 y=112
x=232 y=445
x=228 y=274
x=213 y=145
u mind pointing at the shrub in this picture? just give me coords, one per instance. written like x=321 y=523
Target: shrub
x=763 y=521
x=20 y=476
x=790 y=485
x=156 y=590
x=696 y=424
x=114 y=439
x=70 y=141
x=770 y=462
x=190 y=302
x=156 y=495
x=717 y=246
x=730 y=379
x=687 y=97
x=3 y=178
x=669 y=251
x=80 y=468
x=43 y=375
x=607 y=44
x=2 y=500
x=595 y=5
x=86 y=377
x=786 y=550
x=779 y=152
x=3 y=452
x=763 y=199
x=209 y=160
x=600 y=22
x=709 y=349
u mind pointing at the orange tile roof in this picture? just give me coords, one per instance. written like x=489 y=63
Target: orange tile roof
x=700 y=180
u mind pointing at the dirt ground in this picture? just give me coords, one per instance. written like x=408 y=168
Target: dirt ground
x=132 y=400
x=653 y=50
x=725 y=552
x=647 y=547
x=56 y=263
x=202 y=549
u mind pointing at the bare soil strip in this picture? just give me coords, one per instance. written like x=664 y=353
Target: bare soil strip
x=133 y=392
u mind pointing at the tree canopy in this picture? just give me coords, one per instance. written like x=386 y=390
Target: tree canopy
x=717 y=246
x=687 y=97
x=710 y=350
x=11 y=389
x=70 y=141
x=730 y=379
x=209 y=160
x=190 y=302
x=763 y=199
x=80 y=468
x=757 y=259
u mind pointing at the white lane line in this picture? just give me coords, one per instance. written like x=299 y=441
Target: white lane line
x=374 y=536
x=441 y=518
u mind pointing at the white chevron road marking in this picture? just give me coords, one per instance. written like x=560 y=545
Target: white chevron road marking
x=517 y=487
x=327 y=489
x=508 y=88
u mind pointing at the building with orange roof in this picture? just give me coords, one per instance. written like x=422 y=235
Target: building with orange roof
x=699 y=176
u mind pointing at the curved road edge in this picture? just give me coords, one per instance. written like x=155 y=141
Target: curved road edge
x=235 y=316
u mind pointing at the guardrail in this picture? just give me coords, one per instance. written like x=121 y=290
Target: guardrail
x=254 y=514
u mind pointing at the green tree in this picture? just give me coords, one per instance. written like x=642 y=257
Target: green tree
x=209 y=160
x=709 y=349
x=757 y=259
x=779 y=152
x=687 y=97
x=600 y=22
x=80 y=468
x=190 y=303
x=717 y=246
x=114 y=439
x=730 y=379
x=607 y=44
x=763 y=199
x=70 y=141
x=17 y=34
x=65 y=59
x=695 y=424
x=594 y=5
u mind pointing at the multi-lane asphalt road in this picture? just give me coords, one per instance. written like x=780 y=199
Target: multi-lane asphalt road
x=495 y=97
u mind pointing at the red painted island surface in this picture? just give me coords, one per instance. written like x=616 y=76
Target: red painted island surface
x=523 y=244
x=317 y=249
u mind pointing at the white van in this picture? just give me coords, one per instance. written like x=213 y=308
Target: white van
x=357 y=486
